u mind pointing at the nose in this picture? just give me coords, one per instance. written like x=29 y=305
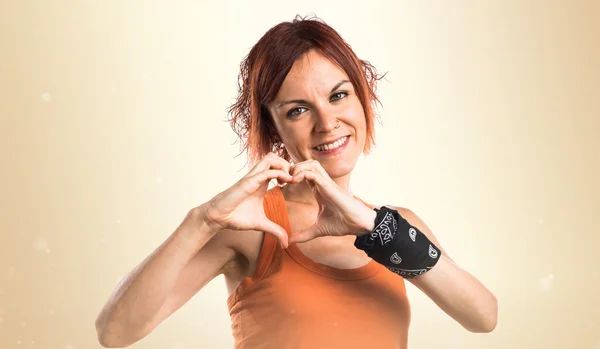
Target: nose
x=325 y=122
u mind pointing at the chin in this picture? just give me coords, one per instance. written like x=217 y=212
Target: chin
x=340 y=167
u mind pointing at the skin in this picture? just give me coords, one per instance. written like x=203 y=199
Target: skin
x=326 y=187
x=223 y=235
x=314 y=99
x=301 y=126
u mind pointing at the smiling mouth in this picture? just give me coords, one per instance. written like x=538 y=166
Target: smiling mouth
x=332 y=145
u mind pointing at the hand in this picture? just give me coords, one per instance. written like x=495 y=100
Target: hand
x=339 y=212
x=240 y=207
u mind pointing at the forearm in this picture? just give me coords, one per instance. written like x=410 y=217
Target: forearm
x=453 y=289
x=460 y=295
x=138 y=298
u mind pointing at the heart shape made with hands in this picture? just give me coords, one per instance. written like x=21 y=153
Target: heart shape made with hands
x=340 y=213
x=240 y=207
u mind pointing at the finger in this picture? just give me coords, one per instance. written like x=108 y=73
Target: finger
x=303 y=235
x=312 y=165
x=276 y=161
x=304 y=165
x=250 y=185
x=308 y=175
x=276 y=230
x=267 y=175
x=259 y=166
x=270 y=161
x=317 y=167
x=259 y=179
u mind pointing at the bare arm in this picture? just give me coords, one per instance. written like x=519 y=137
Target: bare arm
x=458 y=293
x=191 y=257
x=195 y=253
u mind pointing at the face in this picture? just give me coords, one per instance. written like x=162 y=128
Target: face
x=315 y=98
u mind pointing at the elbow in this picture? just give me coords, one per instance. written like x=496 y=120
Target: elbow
x=111 y=337
x=112 y=331
x=108 y=340
x=485 y=327
x=487 y=319
x=109 y=343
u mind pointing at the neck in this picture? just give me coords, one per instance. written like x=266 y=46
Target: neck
x=303 y=193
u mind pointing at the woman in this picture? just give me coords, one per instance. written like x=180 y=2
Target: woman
x=307 y=264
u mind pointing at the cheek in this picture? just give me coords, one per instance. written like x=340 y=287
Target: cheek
x=358 y=120
x=294 y=140
x=354 y=108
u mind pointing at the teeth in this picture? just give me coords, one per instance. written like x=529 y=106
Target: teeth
x=333 y=145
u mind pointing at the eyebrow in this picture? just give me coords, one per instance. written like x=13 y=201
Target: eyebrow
x=302 y=101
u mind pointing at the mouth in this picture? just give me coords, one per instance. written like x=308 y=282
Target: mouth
x=332 y=147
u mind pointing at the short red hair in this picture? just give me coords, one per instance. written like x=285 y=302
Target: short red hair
x=267 y=64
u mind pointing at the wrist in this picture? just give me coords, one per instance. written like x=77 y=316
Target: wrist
x=202 y=224
x=367 y=222
x=398 y=245
x=193 y=232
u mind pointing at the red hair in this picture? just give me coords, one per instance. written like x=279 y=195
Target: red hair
x=267 y=64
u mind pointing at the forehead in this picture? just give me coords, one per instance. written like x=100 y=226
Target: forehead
x=312 y=72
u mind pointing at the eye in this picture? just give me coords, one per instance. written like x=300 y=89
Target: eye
x=337 y=96
x=295 y=111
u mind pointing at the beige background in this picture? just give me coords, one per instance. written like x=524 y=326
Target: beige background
x=111 y=128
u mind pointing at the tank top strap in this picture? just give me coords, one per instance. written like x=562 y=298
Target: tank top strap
x=270 y=253
x=274 y=206
x=274 y=211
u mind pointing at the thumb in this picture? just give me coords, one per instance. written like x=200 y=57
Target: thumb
x=304 y=235
x=276 y=230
